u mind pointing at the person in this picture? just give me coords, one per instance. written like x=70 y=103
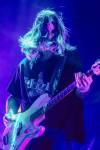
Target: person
x=50 y=65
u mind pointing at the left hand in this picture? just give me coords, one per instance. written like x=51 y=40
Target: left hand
x=83 y=82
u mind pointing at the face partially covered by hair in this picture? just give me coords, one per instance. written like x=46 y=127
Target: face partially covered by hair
x=49 y=27
x=48 y=32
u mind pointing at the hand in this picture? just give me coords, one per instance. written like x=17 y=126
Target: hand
x=8 y=117
x=96 y=67
x=83 y=82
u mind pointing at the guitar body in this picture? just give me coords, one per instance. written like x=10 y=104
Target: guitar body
x=18 y=133
x=27 y=133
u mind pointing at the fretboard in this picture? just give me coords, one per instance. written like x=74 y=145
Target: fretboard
x=56 y=99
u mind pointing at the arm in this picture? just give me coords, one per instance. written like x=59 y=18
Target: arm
x=12 y=106
x=83 y=82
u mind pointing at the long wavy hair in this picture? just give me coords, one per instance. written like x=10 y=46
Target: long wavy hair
x=38 y=33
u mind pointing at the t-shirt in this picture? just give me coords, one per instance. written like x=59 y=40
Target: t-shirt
x=34 y=78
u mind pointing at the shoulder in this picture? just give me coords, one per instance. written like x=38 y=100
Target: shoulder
x=73 y=55
x=22 y=65
x=23 y=62
x=73 y=59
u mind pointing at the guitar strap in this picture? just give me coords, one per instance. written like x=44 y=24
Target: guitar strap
x=57 y=74
x=23 y=89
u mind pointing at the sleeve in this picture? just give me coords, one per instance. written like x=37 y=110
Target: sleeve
x=14 y=88
x=76 y=67
x=74 y=114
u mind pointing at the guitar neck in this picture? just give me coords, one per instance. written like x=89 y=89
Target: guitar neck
x=56 y=99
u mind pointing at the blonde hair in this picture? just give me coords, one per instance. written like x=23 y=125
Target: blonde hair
x=31 y=39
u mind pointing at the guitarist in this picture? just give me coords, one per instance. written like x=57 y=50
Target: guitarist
x=50 y=65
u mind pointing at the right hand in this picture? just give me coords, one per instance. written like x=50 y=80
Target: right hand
x=8 y=117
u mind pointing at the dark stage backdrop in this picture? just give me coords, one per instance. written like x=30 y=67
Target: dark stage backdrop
x=82 y=18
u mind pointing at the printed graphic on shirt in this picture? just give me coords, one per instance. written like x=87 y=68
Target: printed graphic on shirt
x=36 y=87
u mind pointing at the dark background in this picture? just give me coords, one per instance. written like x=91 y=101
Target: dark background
x=82 y=17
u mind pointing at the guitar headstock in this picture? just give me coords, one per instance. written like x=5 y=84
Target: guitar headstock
x=96 y=67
